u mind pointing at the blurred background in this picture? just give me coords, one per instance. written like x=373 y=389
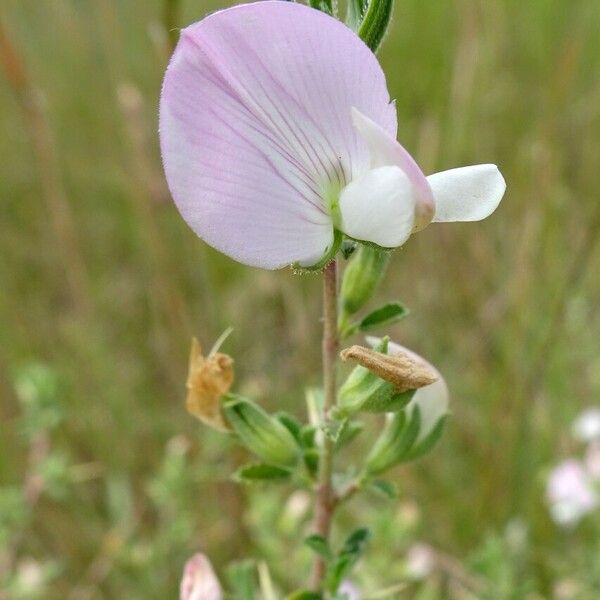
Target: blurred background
x=107 y=485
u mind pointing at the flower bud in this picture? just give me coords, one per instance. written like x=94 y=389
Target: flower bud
x=209 y=379
x=199 y=581
x=414 y=430
x=361 y=278
x=262 y=434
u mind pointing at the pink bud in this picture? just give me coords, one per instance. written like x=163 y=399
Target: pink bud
x=199 y=581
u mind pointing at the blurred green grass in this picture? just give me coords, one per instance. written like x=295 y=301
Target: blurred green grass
x=102 y=280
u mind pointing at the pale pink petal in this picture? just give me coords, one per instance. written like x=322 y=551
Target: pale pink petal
x=570 y=492
x=385 y=151
x=467 y=193
x=379 y=207
x=199 y=581
x=255 y=125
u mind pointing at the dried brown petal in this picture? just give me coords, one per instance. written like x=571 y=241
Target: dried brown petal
x=209 y=378
x=401 y=369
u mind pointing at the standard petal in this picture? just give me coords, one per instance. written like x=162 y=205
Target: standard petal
x=385 y=150
x=255 y=126
x=379 y=207
x=467 y=193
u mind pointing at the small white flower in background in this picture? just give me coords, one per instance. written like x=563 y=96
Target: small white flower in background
x=30 y=575
x=199 y=581
x=420 y=561
x=586 y=427
x=351 y=591
x=570 y=493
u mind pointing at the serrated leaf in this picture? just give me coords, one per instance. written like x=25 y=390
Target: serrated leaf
x=384 y=488
x=319 y=545
x=261 y=472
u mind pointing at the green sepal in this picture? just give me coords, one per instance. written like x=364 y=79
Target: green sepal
x=364 y=391
x=375 y=22
x=326 y=6
x=261 y=473
x=310 y=452
x=395 y=442
x=426 y=445
x=259 y=432
x=361 y=279
x=291 y=424
x=355 y=13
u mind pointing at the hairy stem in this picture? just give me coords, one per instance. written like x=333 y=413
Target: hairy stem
x=325 y=500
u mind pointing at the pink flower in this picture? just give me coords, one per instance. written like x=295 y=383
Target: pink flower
x=277 y=130
x=199 y=581
x=350 y=590
x=570 y=493
x=420 y=561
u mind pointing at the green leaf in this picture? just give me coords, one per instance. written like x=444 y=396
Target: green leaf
x=333 y=428
x=355 y=542
x=375 y=23
x=385 y=488
x=241 y=577
x=349 y=431
x=338 y=571
x=261 y=472
x=386 y=315
x=291 y=423
x=320 y=546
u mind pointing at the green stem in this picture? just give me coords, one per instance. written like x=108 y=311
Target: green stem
x=325 y=499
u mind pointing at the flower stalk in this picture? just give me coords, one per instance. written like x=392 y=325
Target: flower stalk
x=325 y=499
